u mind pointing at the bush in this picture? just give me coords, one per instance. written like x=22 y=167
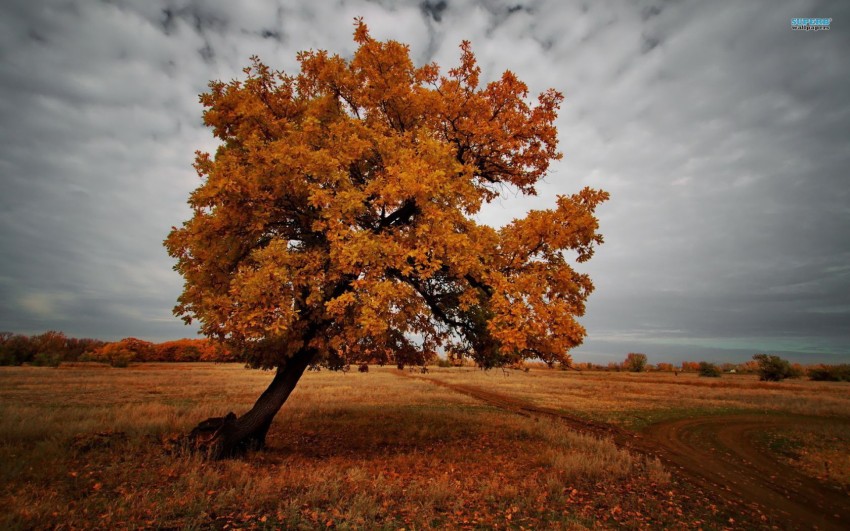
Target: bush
x=16 y=349
x=635 y=362
x=112 y=353
x=47 y=359
x=709 y=370
x=444 y=363
x=774 y=369
x=7 y=358
x=121 y=359
x=830 y=373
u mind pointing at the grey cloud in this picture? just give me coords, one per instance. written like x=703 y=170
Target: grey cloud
x=434 y=10
x=722 y=182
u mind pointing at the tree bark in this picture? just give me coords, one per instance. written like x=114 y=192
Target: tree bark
x=230 y=436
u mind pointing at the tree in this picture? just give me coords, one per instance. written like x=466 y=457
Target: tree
x=335 y=223
x=116 y=354
x=708 y=370
x=75 y=347
x=51 y=345
x=690 y=366
x=16 y=349
x=634 y=362
x=664 y=367
x=830 y=373
x=121 y=353
x=772 y=368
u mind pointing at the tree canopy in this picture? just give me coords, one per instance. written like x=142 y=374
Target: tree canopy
x=338 y=214
x=635 y=362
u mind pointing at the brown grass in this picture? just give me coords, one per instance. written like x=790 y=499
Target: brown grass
x=822 y=452
x=634 y=400
x=81 y=447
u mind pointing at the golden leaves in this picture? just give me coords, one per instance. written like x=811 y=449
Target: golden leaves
x=342 y=199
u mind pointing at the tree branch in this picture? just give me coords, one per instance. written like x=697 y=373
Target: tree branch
x=401 y=216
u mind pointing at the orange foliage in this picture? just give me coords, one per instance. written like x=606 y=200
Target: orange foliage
x=690 y=366
x=189 y=350
x=132 y=349
x=635 y=362
x=337 y=215
x=120 y=353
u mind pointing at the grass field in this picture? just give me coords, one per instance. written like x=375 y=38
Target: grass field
x=86 y=446
x=633 y=400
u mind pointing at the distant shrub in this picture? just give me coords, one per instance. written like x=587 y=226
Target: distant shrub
x=709 y=370
x=47 y=359
x=772 y=368
x=830 y=373
x=444 y=363
x=364 y=367
x=635 y=362
x=121 y=359
x=115 y=354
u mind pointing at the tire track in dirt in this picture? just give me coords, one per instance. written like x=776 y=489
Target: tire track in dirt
x=723 y=451
x=718 y=454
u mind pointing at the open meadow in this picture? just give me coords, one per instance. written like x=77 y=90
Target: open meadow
x=85 y=445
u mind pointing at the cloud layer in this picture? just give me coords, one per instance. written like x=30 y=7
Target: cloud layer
x=721 y=134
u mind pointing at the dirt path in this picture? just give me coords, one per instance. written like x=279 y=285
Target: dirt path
x=723 y=450
x=718 y=454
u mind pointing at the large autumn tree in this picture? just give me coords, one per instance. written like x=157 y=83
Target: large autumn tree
x=336 y=223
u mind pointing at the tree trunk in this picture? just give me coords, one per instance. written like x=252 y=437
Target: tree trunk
x=229 y=436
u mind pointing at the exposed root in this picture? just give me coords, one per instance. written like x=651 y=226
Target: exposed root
x=221 y=438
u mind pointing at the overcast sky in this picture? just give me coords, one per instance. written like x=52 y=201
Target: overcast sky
x=722 y=135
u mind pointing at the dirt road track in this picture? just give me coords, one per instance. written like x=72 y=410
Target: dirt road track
x=723 y=450
x=720 y=455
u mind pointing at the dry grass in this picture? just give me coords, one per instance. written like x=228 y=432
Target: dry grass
x=634 y=400
x=822 y=452
x=371 y=451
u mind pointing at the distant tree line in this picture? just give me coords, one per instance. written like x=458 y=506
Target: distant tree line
x=52 y=348
x=768 y=367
